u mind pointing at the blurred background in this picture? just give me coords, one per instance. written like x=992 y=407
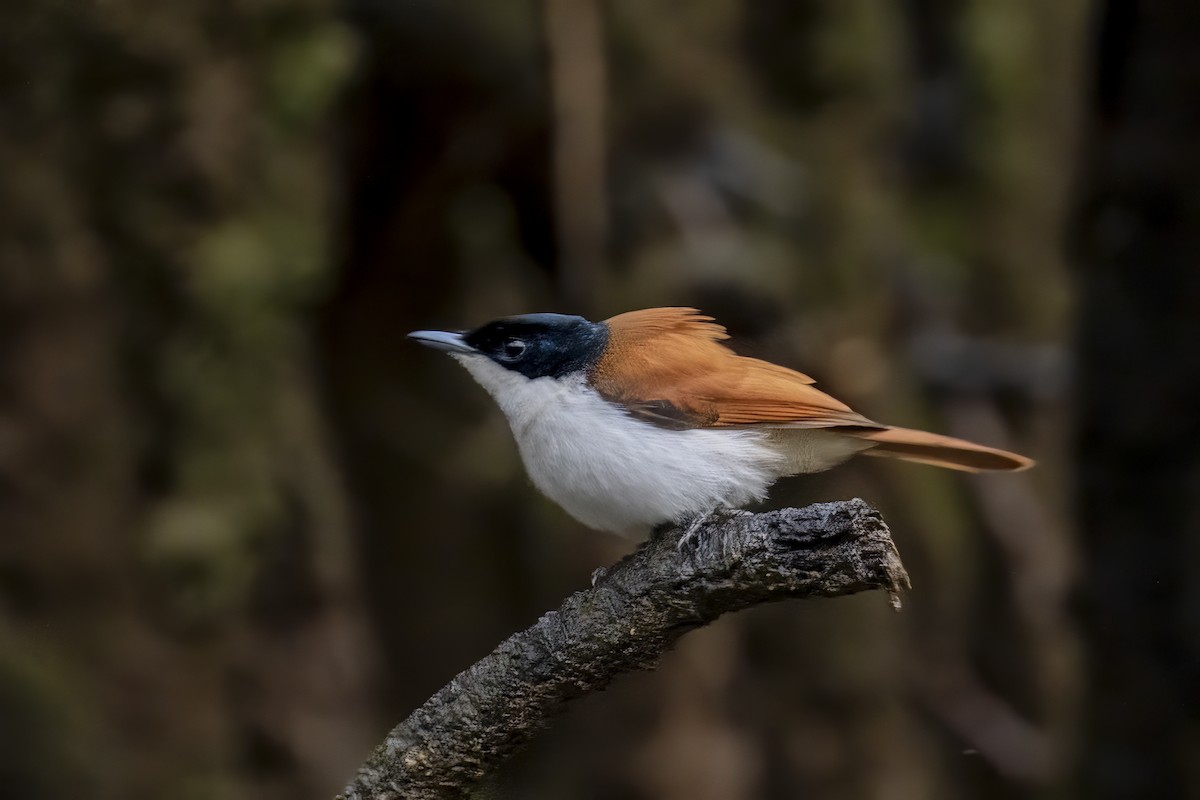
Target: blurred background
x=245 y=527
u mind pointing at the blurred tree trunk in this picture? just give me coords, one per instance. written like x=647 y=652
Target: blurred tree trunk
x=178 y=615
x=1137 y=244
x=435 y=148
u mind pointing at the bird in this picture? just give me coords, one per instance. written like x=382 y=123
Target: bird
x=648 y=418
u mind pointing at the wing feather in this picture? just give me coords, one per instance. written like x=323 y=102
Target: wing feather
x=668 y=366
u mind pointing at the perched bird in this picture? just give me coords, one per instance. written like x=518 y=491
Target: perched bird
x=648 y=418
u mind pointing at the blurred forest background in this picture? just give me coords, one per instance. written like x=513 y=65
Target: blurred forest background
x=245 y=527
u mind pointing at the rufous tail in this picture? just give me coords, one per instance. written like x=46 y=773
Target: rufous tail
x=940 y=451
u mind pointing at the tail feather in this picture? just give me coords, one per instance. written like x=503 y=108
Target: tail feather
x=940 y=451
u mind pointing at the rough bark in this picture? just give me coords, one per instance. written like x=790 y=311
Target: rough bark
x=632 y=615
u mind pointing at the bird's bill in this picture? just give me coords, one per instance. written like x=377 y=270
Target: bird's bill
x=442 y=340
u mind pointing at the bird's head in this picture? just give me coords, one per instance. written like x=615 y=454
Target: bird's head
x=530 y=345
x=637 y=360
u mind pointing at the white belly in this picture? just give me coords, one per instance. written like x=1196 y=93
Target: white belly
x=613 y=472
x=616 y=473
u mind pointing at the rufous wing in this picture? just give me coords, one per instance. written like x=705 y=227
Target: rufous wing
x=668 y=366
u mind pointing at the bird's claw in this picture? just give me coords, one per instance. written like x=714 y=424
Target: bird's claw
x=688 y=539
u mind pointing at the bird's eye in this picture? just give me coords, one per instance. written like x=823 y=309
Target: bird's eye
x=513 y=349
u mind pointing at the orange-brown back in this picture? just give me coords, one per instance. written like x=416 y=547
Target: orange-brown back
x=669 y=366
x=673 y=357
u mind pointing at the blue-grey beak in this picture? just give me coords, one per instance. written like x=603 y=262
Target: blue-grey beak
x=442 y=340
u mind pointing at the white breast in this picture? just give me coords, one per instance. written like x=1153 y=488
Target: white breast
x=616 y=473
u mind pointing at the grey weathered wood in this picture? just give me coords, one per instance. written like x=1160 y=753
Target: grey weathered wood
x=634 y=613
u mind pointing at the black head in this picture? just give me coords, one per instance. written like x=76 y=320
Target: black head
x=541 y=345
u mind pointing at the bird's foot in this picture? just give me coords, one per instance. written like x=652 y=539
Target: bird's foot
x=688 y=539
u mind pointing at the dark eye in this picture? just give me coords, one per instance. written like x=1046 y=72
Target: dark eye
x=513 y=349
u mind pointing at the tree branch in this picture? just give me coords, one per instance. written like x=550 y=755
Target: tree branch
x=634 y=613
